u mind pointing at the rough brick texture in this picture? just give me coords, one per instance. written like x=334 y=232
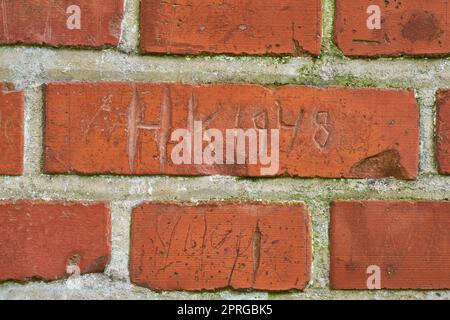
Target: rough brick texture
x=92 y=23
x=40 y=240
x=11 y=130
x=119 y=128
x=408 y=241
x=218 y=245
x=443 y=131
x=291 y=27
x=413 y=27
x=98 y=96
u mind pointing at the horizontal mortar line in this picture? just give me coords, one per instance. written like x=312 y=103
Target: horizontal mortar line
x=37 y=65
x=326 y=56
x=214 y=178
x=167 y=189
x=427 y=178
x=116 y=287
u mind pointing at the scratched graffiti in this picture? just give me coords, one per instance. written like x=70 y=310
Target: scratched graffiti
x=187 y=243
x=135 y=123
x=135 y=129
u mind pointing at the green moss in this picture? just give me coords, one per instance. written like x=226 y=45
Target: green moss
x=329 y=49
x=353 y=81
x=310 y=75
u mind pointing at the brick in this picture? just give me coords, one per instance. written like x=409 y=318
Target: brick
x=443 y=131
x=46 y=240
x=55 y=22
x=217 y=245
x=413 y=27
x=408 y=241
x=11 y=130
x=126 y=128
x=282 y=27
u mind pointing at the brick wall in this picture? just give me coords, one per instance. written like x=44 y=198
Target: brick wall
x=94 y=205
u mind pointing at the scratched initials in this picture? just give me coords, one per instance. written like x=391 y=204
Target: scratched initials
x=282 y=124
x=322 y=135
x=136 y=124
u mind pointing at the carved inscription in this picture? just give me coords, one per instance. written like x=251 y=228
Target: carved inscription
x=241 y=130
x=322 y=135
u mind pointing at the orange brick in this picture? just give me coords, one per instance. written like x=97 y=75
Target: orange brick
x=443 y=131
x=126 y=128
x=218 y=245
x=413 y=27
x=408 y=241
x=55 y=22
x=282 y=27
x=40 y=240
x=11 y=130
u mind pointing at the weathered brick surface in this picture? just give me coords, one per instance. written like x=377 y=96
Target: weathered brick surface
x=218 y=245
x=58 y=139
x=443 y=131
x=413 y=27
x=11 y=130
x=50 y=22
x=40 y=240
x=279 y=27
x=125 y=128
x=409 y=241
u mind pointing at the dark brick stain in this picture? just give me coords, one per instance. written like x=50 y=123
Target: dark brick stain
x=422 y=26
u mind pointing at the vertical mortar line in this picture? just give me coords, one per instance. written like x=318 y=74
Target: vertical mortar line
x=33 y=130
x=328 y=10
x=129 y=37
x=319 y=211
x=426 y=99
x=120 y=237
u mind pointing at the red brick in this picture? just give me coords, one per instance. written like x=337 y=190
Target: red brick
x=11 y=130
x=413 y=27
x=282 y=27
x=39 y=240
x=408 y=241
x=443 y=131
x=103 y=128
x=46 y=22
x=217 y=245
